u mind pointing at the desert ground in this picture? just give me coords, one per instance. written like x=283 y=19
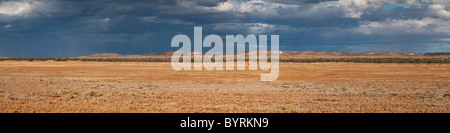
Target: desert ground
x=75 y=86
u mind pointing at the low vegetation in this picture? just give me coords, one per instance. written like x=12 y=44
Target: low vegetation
x=356 y=60
x=87 y=59
x=372 y=60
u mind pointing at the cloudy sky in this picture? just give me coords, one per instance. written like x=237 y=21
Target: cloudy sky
x=61 y=28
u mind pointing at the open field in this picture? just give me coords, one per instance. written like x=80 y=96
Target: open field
x=76 y=86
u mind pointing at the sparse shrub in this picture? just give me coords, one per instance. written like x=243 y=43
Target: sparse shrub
x=364 y=93
x=109 y=94
x=72 y=95
x=447 y=95
x=123 y=93
x=57 y=93
x=92 y=93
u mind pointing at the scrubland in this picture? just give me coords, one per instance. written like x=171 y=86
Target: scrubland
x=76 y=86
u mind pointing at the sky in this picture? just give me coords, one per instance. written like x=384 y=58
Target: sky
x=67 y=28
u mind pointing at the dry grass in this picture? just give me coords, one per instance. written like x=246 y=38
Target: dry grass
x=47 y=86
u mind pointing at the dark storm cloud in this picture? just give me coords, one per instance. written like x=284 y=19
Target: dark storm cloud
x=299 y=1
x=75 y=28
x=208 y=3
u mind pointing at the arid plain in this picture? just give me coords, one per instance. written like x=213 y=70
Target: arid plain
x=75 y=86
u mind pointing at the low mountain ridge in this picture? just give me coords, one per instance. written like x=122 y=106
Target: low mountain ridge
x=283 y=54
x=105 y=55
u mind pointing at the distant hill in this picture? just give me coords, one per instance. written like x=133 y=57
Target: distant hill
x=286 y=55
x=160 y=54
x=384 y=54
x=105 y=55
